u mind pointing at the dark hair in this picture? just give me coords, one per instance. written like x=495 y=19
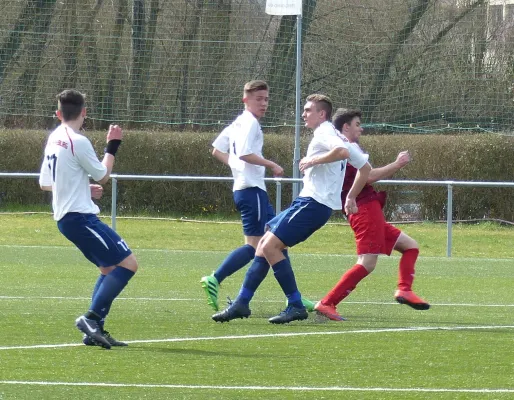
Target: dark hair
x=254 y=86
x=71 y=102
x=322 y=103
x=344 y=116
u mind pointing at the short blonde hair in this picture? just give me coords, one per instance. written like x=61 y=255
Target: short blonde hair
x=322 y=103
x=254 y=86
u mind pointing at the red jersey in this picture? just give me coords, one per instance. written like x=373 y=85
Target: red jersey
x=367 y=194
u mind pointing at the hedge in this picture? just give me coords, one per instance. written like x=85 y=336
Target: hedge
x=473 y=157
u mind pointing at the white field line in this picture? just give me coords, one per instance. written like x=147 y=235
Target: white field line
x=263 y=388
x=275 y=335
x=392 y=303
x=178 y=251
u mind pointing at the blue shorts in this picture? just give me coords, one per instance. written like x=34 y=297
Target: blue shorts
x=255 y=208
x=96 y=240
x=295 y=224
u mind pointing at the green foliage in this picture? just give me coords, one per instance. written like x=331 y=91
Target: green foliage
x=461 y=158
x=436 y=157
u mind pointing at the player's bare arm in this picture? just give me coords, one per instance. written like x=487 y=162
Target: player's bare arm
x=387 y=171
x=220 y=156
x=336 y=154
x=46 y=188
x=114 y=137
x=361 y=178
x=254 y=159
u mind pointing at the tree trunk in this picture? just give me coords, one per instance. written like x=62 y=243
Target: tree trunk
x=107 y=111
x=143 y=35
x=95 y=95
x=374 y=96
x=215 y=33
x=71 y=45
x=148 y=54
x=281 y=76
x=12 y=43
x=138 y=49
x=190 y=34
x=27 y=81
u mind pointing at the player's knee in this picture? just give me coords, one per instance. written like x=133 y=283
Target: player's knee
x=253 y=241
x=260 y=245
x=369 y=262
x=106 y=270
x=405 y=243
x=411 y=244
x=369 y=266
x=130 y=263
x=265 y=248
x=269 y=248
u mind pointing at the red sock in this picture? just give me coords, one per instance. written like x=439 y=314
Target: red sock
x=345 y=285
x=406 y=270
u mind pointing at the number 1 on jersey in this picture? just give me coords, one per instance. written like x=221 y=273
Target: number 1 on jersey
x=51 y=164
x=123 y=245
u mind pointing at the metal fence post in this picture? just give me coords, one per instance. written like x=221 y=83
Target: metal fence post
x=278 y=195
x=113 y=202
x=449 y=221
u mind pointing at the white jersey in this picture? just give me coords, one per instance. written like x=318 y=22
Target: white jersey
x=222 y=142
x=353 y=147
x=324 y=182
x=244 y=136
x=69 y=158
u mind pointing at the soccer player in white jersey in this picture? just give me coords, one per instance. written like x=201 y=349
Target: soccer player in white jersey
x=68 y=160
x=240 y=146
x=323 y=168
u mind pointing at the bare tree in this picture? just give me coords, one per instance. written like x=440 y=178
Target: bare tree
x=215 y=33
x=36 y=41
x=91 y=59
x=71 y=45
x=190 y=34
x=107 y=111
x=143 y=39
x=13 y=41
x=375 y=90
x=283 y=59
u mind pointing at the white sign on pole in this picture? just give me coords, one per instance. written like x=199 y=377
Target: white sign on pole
x=284 y=7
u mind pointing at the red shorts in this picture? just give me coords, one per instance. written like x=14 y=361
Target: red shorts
x=373 y=235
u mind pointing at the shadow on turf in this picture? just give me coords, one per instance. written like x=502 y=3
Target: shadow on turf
x=204 y=353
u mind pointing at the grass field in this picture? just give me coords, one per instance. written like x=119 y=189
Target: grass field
x=462 y=348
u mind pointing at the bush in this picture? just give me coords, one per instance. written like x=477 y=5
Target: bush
x=477 y=157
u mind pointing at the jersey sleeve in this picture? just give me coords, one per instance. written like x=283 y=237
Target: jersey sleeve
x=357 y=158
x=333 y=142
x=45 y=176
x=222 y=142
x=245 y=139
x=88 y=159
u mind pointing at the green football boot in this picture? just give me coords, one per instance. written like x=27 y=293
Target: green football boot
x=211 y=286
x=309 y=305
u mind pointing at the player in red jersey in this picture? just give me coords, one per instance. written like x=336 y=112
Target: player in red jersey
x=373 y=235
